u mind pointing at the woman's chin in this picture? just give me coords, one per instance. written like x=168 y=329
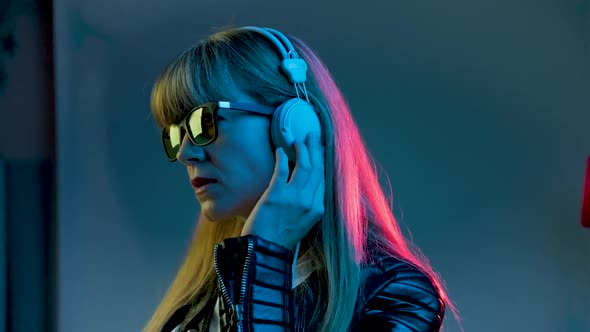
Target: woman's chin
x=214 y=213
x=214 y=217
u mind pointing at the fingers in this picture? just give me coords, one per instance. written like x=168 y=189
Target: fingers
x=309 y=165
x=302 y=170
x=317 y=153
x=307 y=182
x=281 y=171
x=318 y=207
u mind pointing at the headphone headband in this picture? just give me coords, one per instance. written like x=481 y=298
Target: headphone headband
x=293 y=67
x=280 y=41
x=295 y=118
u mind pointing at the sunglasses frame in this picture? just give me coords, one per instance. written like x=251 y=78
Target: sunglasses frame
x=253 y=108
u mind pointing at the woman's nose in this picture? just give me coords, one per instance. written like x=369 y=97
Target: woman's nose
x=189 y=152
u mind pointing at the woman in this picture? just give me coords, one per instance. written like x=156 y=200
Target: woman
x=295 y=233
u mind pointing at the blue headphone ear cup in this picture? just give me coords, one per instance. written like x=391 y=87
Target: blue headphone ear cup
x=292 y=121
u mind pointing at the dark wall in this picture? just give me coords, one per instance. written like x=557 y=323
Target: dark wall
x=478 y=112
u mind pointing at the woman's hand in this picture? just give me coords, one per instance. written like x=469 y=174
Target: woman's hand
x=289 y=208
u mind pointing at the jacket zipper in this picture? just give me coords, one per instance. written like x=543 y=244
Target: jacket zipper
x=238 y=308
x=212 y=312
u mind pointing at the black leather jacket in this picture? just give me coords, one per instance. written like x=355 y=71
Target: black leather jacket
x=254 y=281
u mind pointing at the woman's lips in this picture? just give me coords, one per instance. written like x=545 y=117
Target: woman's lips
x=201 y=181
x=201 y=189
x=202 y=184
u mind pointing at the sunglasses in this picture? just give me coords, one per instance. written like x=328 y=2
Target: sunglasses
x=201 y=124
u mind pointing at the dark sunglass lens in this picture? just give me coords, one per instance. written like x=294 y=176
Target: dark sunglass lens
x=172 y=138
x=201 y=125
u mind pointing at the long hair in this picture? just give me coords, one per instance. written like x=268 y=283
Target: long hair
x=357 y=214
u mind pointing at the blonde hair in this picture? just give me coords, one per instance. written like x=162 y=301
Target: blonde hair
x=357 y=214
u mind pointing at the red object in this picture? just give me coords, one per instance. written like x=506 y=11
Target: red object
x=586 y=197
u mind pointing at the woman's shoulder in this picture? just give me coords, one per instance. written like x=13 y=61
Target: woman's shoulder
x=391 y=277
x=397 y=293
x=381 y=264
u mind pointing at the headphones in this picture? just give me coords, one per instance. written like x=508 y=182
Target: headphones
x=294 y=119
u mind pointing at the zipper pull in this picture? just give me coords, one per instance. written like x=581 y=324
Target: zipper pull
x=239 y=312
x=237 y=316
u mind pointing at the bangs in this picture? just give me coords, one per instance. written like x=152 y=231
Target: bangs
x=197 y=76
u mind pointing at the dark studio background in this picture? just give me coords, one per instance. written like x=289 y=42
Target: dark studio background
x=479 y=112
